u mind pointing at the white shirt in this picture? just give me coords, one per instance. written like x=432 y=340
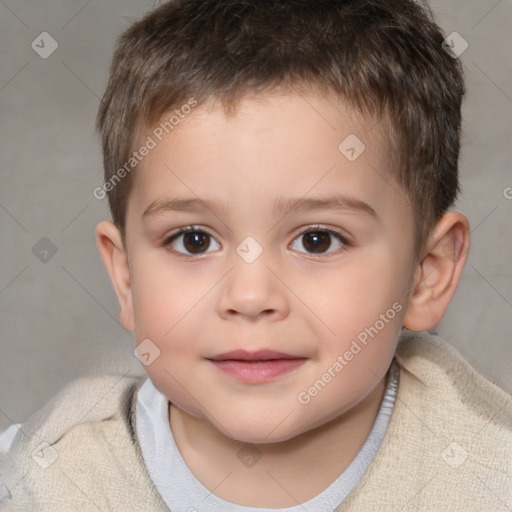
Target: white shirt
x=182 y=491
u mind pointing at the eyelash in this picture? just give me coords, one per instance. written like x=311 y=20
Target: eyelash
x=313 y=229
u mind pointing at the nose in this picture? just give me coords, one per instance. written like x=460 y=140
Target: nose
x=252 y=291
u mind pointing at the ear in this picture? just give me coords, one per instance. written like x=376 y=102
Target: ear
x=113 y=253
x=438 y=272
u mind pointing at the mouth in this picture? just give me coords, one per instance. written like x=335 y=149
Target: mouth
x=260 y=355
x=256 y=367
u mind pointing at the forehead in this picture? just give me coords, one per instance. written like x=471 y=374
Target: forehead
x=270 y=148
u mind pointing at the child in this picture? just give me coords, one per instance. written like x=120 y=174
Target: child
x=280 y=175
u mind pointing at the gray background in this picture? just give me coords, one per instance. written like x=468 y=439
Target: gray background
x=59 y=319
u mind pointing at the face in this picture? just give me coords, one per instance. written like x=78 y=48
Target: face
x=261 y=232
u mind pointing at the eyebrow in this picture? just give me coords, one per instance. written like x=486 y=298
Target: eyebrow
x=281 y=206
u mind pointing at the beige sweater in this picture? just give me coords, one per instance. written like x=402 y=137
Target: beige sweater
x=448 y=446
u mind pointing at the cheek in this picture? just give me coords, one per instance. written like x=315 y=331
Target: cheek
x=364 y=288
x=364 y=300
x=167 y=305
x=170 y=308
x=164 y=296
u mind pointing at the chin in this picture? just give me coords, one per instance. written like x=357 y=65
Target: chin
x=261 y=437
x=260 y=432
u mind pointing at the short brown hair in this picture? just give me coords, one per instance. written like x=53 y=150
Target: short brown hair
x=385 y=58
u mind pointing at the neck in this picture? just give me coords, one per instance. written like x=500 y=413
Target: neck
x=274 y=475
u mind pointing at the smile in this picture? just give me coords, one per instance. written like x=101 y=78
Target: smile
x=257 y=371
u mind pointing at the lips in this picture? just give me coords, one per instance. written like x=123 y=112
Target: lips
x=256 y=367
x=260 y=355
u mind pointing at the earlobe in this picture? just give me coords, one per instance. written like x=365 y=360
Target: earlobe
x=438 y=273
x=113 y=253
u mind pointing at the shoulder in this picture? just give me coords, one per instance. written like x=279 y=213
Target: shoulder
x=456 y=423
x=79 y=449
x=87 y=400
x=440 y=372
x=467 y=414
x=448 y=445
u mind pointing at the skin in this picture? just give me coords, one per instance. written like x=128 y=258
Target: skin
x=290 y=299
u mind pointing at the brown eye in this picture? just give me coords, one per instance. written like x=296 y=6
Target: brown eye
x=196 y=242
x=319 y=241
x=316 y=241
x=190 y=241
